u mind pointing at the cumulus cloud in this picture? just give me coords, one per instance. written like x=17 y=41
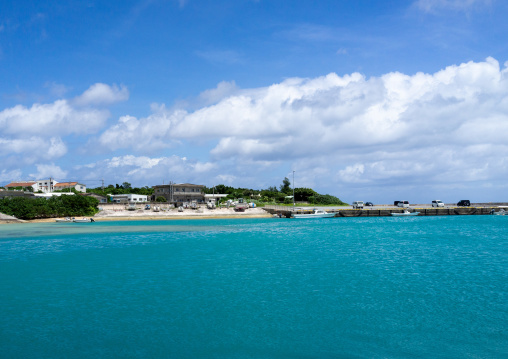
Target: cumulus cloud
x=32 y=149
x=57 y=118
x=49 y=170
x=148 y=170
x=9 y=176
x=351 y=129
x=102 y=94
x=144 y=135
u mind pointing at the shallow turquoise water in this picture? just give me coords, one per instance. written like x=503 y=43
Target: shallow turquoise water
x=424 y=287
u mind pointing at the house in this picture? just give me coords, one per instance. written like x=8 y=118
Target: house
x=46 y=185
x=129 y=198
x=180 y=193
x=100 y=198
x=70 y=185
x=32 y=186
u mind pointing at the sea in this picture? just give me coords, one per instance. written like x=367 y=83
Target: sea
x=383 y=287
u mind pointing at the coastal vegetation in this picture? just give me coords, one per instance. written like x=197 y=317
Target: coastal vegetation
x=62 y=206
x=274 y=195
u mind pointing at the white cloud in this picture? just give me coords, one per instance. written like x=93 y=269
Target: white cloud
x=58 y=118
x=49 y=170
x=102 y=94
x=32 y=149
x=9 y=176
x=143 y=135
x=148 y=170
x=388 y=130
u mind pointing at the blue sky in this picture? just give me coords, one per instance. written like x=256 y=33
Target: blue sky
x=365 y=100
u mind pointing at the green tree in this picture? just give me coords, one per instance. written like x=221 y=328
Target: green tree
x=285 y=187
x=303 y=194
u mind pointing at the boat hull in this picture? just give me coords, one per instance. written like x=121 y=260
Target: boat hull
x=405 y=214
x=312 y=215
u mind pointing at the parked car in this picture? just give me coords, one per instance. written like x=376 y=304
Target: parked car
x=464 y=203
x=404 y=204
x=370 y=204
x=437 y=203
x=357 y=204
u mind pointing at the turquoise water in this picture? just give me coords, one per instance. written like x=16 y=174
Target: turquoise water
x=423 y=287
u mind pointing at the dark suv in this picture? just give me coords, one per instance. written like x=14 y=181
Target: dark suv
x=464 y=203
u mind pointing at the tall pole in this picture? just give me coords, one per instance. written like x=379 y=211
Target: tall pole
x=293 y=191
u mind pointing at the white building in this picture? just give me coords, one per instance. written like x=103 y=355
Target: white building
x=24 y=185
x=128 y=198
x=69 y=185
x=46 y=185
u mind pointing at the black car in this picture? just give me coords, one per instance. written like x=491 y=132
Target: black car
x=370 y=204
x=464 y=203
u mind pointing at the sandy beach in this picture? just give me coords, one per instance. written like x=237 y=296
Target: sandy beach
x=200 y=213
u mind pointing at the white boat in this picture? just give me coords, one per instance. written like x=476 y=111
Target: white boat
x=83 y=220
x=405 y=213
x=318 y=213
x=501 y=212
x=63 y=220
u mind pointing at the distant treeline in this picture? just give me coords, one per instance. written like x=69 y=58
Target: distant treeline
x=63 y=206
x=124 y=188
x=273 y=195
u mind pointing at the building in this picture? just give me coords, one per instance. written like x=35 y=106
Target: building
x=70 y=185
x=100 y=198
x=129 y=198
x=180 y=193
x=32 y=186
x=46 y=185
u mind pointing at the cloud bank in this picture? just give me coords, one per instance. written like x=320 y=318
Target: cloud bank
x=439 y=133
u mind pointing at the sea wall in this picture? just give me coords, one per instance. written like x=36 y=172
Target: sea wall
x=385 y=212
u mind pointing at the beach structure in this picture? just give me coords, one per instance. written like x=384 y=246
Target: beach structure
x=180 y=193
x=129 y=198
x=70 y=185
x=100 y=198
x=32 y=186
x=44 y=186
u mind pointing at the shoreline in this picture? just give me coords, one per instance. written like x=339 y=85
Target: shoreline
x=124 y=215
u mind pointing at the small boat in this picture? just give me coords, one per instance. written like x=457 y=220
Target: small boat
x=405 y=213
x=63 y=220
x=318 y=213
x=83 y=220
x=501 y=212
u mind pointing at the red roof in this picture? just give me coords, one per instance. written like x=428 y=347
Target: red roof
x=20 y=184
x=63 y=184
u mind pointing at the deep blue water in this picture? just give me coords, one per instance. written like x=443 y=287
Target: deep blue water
x=424 y=287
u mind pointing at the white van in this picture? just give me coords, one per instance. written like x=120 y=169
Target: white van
x=404 y=204
x=357 y=204
x=437 y=203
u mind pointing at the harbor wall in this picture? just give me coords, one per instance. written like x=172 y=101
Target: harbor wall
x=385 y=212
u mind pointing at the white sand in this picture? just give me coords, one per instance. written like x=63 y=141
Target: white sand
x=173 y=213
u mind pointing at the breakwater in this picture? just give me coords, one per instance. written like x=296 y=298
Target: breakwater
x=386 y=211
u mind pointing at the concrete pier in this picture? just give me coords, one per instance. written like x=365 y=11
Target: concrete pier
x=385 y=211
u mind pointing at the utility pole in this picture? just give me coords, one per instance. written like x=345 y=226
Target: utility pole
x=102 y=185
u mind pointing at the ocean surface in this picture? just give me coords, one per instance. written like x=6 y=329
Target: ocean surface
x=419 y=287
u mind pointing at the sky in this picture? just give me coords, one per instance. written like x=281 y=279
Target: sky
x=364 y=100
